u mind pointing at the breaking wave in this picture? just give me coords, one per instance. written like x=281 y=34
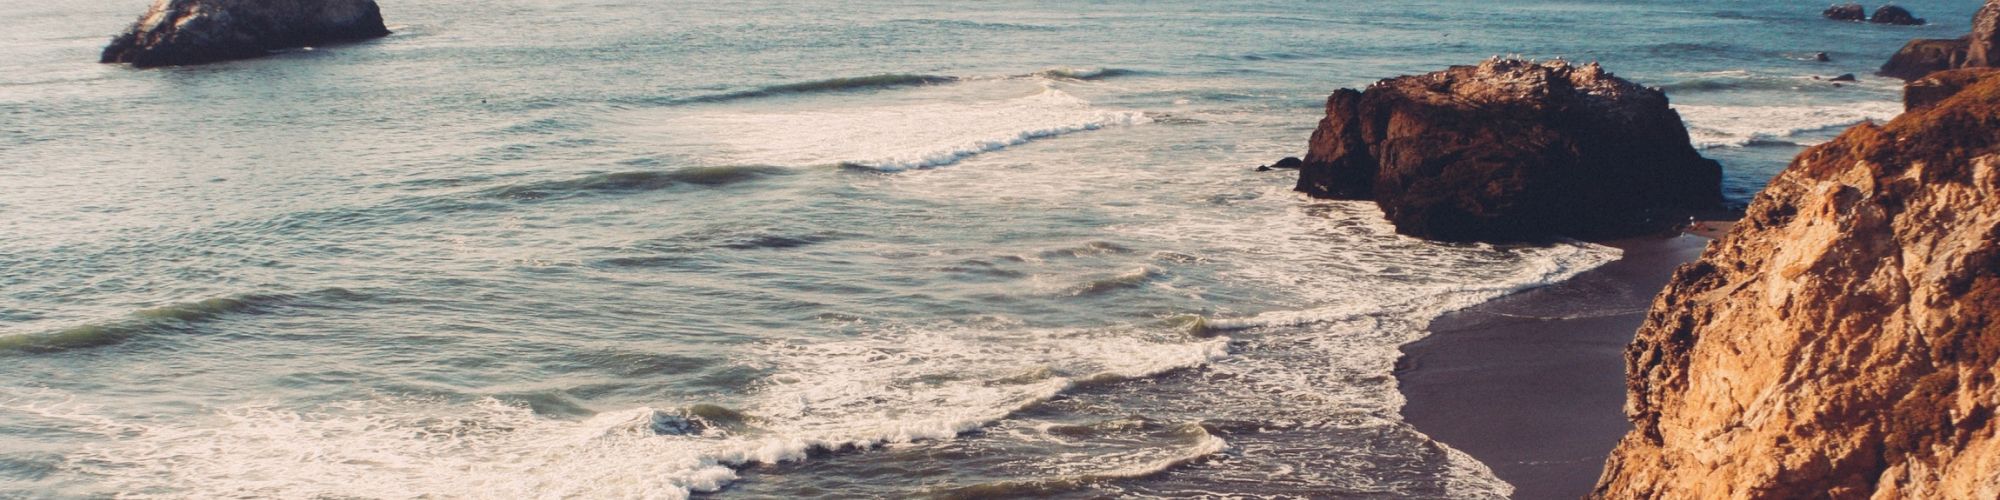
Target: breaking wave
x=887 y=388
x=645 y=180
x=1738 y=126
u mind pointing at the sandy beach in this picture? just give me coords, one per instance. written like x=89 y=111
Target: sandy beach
x=1533 y=384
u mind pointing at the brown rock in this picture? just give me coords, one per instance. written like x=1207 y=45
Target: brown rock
x=1927 y=92
x=1843 y=341
x=1511 y=150
x=183 y=32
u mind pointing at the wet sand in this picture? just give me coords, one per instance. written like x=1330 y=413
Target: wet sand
x=1533 y=384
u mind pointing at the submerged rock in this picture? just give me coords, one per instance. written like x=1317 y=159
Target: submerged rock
x=1844 y=77
x=183 y=32
x=1289 y=163
x=1843 y=341
x=1846 y=12
x=1511 y=150
x=1976 y=50
x=1890 y=14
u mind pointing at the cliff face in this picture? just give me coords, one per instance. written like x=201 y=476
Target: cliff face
x=1511 y=150
x=1843 y=340
x=181 y=32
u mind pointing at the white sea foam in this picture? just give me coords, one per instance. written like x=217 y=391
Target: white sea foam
x=896 y=386
x=1735 y=126
x=891 y=137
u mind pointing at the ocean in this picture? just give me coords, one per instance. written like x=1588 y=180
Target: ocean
x=774 y=249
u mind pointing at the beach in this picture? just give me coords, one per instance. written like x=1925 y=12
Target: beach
x=1533 y=384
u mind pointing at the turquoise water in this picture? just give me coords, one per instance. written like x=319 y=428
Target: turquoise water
x=781 y=249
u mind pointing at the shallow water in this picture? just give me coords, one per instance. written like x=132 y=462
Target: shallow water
x=777 y=249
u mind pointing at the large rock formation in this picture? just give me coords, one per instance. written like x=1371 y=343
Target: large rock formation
x=181 y=32
x=1980 y=49
x=1511 y=150
x=1843 y=340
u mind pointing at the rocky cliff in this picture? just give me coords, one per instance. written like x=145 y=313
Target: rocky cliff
x=1511 y=150
x=1843 y=340
x=181 y=32
x=1979 y=49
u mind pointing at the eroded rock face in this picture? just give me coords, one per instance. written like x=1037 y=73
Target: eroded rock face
x=1511 y=150
x=182 y=32
x=1843 y=341
x=1980 y=49
x=1846 y=12
x=1890 y=14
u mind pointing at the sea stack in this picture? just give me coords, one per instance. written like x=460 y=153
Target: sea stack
x=1843 y=340
x=184 y=32
x=1511 y=150
x=1924 y=56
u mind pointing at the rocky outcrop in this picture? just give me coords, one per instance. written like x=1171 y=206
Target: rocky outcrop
x=1843 y=340
x=1980 y=49
x=182 y=32
x=1890 y=14
x=1511 y=150
x=1846 y=12
x=1925 y=56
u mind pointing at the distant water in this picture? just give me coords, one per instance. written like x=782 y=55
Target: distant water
x=781 y=249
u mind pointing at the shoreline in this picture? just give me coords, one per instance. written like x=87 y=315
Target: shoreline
x=1533 y=384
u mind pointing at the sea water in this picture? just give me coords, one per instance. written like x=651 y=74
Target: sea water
x=620 y=249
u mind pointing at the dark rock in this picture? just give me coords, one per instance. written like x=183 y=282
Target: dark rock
x=1924 y=56
x=183 y=32
x=1847 y=77
x=1822 y=57
x=1289 y=163
x=1846 y=12
x=1511 y=150
x=1890 y=14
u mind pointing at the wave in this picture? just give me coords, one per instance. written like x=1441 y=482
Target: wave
x=164 y=319
x=1203 y=444
x=1567 y=261
x=1084 y=74
x=891 y=138
x=1740 y=126
x=889 y=387
x=843 y=84
x=1122 y=281
x=644 y=180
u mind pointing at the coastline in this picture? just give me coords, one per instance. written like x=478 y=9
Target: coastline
x=1533 y=383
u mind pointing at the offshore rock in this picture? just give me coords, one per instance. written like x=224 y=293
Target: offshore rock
x=184 y=32
x=1890 y=14
x=1511 y=150
x=1846 y=12
x=1843 y=340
